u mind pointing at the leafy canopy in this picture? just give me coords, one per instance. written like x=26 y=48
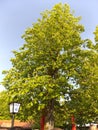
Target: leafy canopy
x=53 y=62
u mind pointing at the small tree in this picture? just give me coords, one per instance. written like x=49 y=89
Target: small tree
x=84 y=100
x=52 y=63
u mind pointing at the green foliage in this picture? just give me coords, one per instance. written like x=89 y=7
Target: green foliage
x=4 y=107
x=53 y=64
x=96 y=34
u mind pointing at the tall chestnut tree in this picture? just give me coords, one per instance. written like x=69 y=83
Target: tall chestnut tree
x=52 y=63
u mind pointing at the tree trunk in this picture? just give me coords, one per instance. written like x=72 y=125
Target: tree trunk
x=49 y=123
x=49 y=118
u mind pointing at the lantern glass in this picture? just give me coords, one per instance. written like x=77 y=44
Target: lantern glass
x=14 y=107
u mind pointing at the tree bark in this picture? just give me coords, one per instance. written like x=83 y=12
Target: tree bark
x=49 y=118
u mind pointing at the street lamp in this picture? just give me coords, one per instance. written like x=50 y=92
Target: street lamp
x=14 y=108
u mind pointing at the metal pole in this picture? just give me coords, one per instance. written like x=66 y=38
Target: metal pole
x=73 y=123
x=13 y=116
x=42 y=122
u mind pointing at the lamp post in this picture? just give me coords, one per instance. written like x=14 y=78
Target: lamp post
x=73 y=123
x=14 y=108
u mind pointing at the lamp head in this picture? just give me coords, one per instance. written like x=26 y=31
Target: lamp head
x=14 y=107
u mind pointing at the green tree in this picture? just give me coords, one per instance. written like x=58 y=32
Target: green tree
x=52 y=63
x=4 y=107
x=84 y=100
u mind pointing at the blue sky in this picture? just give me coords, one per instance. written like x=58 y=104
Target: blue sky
x=17 y=15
